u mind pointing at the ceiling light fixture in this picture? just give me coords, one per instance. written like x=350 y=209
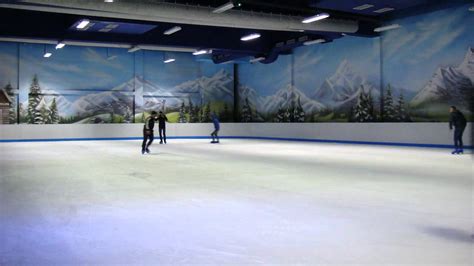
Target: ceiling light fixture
x=314 y=42
x=315 y=18
x=200 y=52
x=108 y=1
x=388 y=27
x=83 y=24
x=258 y=59
x=172 y=30
x=363 y=7
x=383 y=10
x=223 y=8
x=250 y=37
x=60 y=45
x=48 y=54
x=133 y=49
x=169 y=60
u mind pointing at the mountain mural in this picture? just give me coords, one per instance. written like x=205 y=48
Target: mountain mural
x=342 y=89
x=452 y=84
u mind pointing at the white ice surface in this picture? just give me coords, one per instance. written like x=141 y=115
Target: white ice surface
x=239 y=202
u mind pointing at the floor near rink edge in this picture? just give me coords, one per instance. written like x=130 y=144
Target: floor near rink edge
x=241 y=202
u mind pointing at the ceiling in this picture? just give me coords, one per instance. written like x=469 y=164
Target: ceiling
x=43 y=20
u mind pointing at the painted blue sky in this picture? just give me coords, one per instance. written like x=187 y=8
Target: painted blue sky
x=266 y=78
x=414 y=52
x=9 y=64
x=314 y=64
x=73 y=68
x=185 y=68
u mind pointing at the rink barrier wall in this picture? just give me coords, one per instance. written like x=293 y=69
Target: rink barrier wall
x=433 y=135
x=251 y=138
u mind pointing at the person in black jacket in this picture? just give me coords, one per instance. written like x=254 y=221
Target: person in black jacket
x=148 y=131
x=458 y=121
x=162 y=119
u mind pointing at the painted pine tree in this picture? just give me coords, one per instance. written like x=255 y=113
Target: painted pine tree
x=206 y=116
x=53 y=112
x=364 y=110
x=225 y=115
x=280 y=115
x=389 y=112
x=402 y=114
x=127 y=115
x=288 y=114
x=45 y=113
x=34 y=99
x=182 y=116
x=12 y=111
x=298 y=112
x=246 y=112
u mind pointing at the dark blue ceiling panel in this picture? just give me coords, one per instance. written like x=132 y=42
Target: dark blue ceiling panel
x=114 y=27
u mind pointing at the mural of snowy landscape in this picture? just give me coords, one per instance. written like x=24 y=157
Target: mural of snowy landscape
x=427 y=65
x=320 y=83
x=99 y=85
x=436 y=52
x=426 y=68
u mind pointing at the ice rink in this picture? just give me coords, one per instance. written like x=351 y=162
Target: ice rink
x=239 y=202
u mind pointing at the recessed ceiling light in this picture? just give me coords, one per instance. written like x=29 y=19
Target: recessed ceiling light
x=383 y=10
x=314 y=42
x=60 y=45
x=169 y=60
x=316 y=18
x=200 y=52
x=47 y=55
x=108 y=1
x=172 y=30
x=249 y=37
x=258 y=59
x=133 y=49
x=83 y=24
x=388 y=27
x=363 y=7
x=225 y=7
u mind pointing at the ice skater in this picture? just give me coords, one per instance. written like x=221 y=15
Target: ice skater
x=148 y=131
x=215 y=121
x=162 y=119
x=458 y=121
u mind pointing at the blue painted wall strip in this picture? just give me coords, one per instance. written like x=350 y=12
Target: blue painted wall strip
x=248 y=137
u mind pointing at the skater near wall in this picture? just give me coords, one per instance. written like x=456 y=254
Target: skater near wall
x=148 y=131
x=458 y=121
x=162 y=119
x=215 y=121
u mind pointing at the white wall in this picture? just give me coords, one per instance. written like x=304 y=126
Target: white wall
x=416 y=133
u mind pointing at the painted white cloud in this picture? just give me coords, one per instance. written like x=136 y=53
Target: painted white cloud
x=8 y=69
x=423 y=39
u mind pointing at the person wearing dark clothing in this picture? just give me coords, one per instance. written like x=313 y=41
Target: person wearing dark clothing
x=148 y=131
x=215 y=121
x=458 y=121
x=162 y=119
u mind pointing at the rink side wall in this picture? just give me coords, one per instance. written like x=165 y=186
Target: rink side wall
x=403 y=134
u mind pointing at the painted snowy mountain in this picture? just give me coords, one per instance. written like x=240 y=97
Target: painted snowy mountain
x=343 y=87
x=217 y=87
x=63 y=104
x=449 y=83
x=118 y=100
x=283 y=98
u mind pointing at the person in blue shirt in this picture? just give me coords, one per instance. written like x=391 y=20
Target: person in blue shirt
x=215 y=121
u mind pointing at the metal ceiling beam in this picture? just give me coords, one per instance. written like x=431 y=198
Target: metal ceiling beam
x=182 y=14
